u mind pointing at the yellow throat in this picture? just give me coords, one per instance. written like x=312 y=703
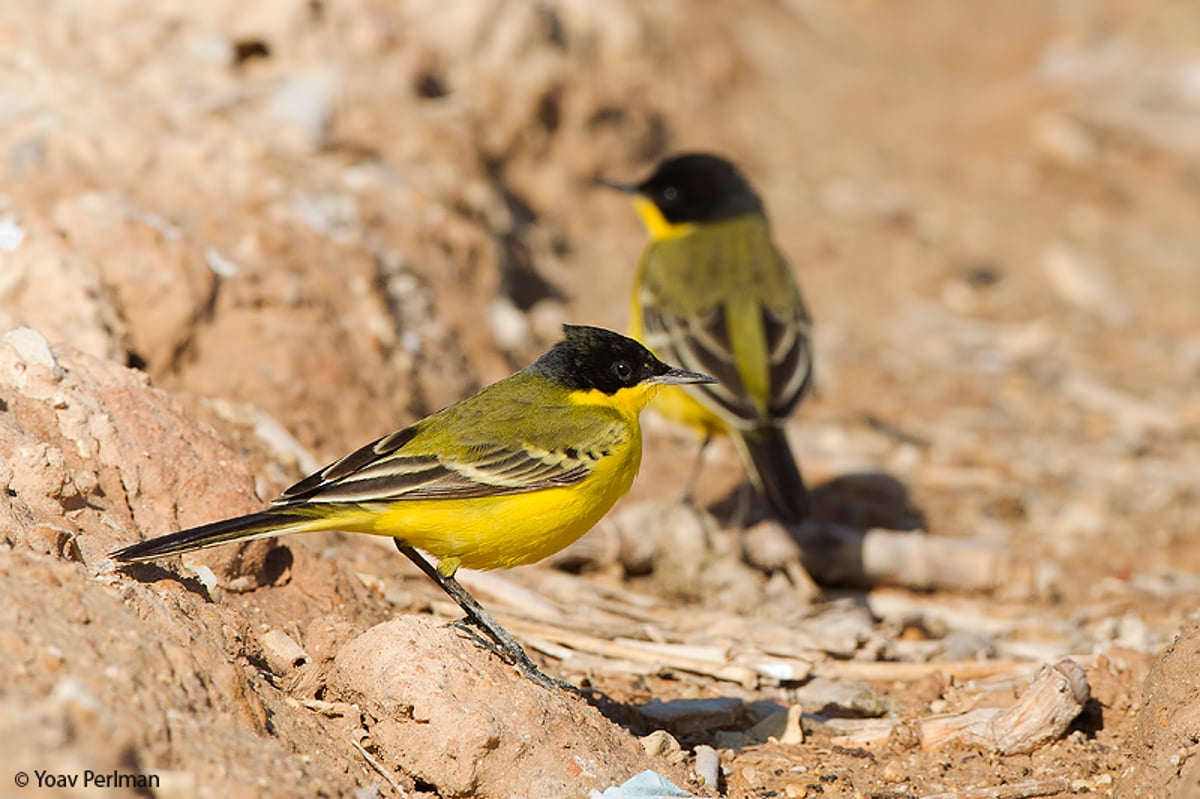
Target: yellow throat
x=657 y=224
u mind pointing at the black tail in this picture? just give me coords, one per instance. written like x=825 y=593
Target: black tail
x=243 y=528
x=773 y=471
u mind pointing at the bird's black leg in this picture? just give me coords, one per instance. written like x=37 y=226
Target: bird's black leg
x=690 y=486
x=502 y=643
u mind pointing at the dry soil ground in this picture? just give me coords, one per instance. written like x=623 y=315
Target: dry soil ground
x=258 y=234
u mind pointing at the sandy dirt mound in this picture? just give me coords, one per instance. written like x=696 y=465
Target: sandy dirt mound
x=432 y=710
x=1168 y=727
x=109 y=673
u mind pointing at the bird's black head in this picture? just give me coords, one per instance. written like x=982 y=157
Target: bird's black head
x=699 y=187
x=594 y=358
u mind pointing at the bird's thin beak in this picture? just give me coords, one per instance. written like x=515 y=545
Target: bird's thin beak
x=679 y=377
x=624 y=188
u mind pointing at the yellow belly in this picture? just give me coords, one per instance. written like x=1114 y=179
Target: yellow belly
x=501 y=531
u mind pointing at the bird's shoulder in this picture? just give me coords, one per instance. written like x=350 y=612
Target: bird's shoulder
x=715 y=261
x=528 y=410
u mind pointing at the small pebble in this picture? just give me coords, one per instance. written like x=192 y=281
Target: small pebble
x=684 y=716
x=967 y=645
x=304 y=103
x=783 y=726
x=32 y=348
x=732 y=739
x=1064 y=141
x=510 y=328
x=1082 y=282
x=282 y=653
x=894 y=771
x=661 y=743
x=683 y=552
x=845 y=699
x=638 y=527
x=769 y=546
x=708 y=767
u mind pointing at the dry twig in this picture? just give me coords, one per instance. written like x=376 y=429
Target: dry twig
x=889 y=671
x=639 y=652
x=911 y=560
x=383 y=772
x=1041 y=714
x=1016 y=790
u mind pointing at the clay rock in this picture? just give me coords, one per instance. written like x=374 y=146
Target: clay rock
x=454 y=716
x=94 y=453
x=91 y=458
x=49 y=286
x=159 y=283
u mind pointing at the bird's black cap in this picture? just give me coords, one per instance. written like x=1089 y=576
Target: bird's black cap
x=696 y=187
x=595 y=358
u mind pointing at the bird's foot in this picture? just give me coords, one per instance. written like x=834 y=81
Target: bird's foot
x=510 y=652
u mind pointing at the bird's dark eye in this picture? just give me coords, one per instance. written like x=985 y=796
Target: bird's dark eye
x=622 y=370
x=670 y=194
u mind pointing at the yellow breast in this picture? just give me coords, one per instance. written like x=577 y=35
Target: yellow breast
x=514 y=529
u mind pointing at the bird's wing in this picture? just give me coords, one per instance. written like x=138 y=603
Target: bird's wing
x=405 y=465
x=788 y=334
x=746 y=326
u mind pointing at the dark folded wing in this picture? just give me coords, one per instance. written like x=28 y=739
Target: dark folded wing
x=701 y=344
x=789 y=350
x=383 y=472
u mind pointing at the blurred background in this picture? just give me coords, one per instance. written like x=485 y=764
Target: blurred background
x=349 y=214
x=314 y=221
